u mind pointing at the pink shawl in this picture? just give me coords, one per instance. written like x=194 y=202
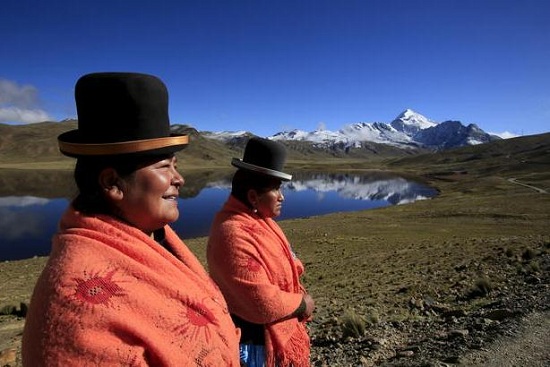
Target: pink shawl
x=252 y=262
x=110 y=296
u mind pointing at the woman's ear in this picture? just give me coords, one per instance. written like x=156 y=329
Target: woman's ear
x=252 y=196
x=109 y=181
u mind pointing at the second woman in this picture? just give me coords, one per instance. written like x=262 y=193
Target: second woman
x=253 y=263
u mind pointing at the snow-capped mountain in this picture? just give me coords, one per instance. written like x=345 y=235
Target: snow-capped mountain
x=223 y=135
x=451 y=134
x=410 y=122
x=408 y=130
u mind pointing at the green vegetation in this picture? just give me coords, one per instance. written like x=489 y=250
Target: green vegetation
x=353 y=325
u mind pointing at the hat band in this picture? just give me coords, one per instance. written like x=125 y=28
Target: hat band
x=266 y=171
x=121 y=147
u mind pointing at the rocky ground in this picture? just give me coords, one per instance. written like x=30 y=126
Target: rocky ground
x=511 y=329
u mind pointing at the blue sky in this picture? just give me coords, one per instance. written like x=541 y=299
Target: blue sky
x=272 y=65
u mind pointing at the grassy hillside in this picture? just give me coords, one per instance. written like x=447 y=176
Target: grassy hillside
x=34 y=146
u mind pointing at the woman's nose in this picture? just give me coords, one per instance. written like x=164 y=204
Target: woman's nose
x=178 y=179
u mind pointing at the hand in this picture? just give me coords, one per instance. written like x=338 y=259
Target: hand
x=310 y=307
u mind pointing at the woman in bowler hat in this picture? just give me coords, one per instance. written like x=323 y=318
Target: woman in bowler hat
x=253 y=263
x=120 y=288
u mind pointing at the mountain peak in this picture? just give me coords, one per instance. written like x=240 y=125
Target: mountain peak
x=407 y=114
x=410 y=129
x=410 y=122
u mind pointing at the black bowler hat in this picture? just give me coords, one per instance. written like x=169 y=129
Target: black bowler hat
x=121 y=114
x=264 y=156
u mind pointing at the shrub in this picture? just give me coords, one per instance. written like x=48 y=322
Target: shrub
x=483 y=286
x=353 y=325
x=12 y=310
x=372 y=317
x=528 y=254
x=8 y=310
x=533 y=267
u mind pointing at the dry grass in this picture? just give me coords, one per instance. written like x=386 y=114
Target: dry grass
x=441 y=248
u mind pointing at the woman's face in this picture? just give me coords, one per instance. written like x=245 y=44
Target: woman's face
x=149 y=198
x=269 y=203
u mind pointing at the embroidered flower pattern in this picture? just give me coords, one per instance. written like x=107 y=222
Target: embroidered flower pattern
x=198 y=319
x=97 y=289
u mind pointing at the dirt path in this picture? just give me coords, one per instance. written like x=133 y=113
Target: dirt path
x=529 y=346
x=538 y=189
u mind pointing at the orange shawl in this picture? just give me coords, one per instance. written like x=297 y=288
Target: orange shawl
x=253 y=264
x=110 y=296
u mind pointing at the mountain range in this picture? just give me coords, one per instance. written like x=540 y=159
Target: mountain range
x=409 y=130
x=408 y=134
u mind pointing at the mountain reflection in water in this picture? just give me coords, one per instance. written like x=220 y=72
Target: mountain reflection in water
x=28 y=222
x=393 y=189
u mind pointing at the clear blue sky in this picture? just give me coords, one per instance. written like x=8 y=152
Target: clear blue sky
x=272 y=65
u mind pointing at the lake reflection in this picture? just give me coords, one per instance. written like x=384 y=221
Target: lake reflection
x=27 y=223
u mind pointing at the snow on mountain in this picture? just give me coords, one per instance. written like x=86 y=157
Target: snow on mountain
x=319 y=136
x=224 y=135
x=410 y=122
x=377 y=132
x=450 y=134
x=349 y=136
x=398 y=133
x=407 y=130
x=505 y=135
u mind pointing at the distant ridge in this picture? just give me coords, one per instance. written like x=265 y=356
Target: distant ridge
x=409 y=130
x=410 y=133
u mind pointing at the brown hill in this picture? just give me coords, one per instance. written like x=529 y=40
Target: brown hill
x=37 y=143
x=33 y=142
x=518 y=156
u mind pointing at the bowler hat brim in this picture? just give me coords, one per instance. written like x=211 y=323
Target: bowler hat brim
x=266 y=171
x=69 y=145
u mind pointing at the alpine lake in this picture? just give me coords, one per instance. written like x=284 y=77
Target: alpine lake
x=29 y=214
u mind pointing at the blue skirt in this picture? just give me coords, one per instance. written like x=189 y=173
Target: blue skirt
x=252 y=355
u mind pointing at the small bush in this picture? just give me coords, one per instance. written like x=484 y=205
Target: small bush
x=372 y=317
x=8 y=310
x=12 y=310
x=482 y=287
x=533 y=267
x=353 y=325
x=519 y=268
x=528 y=254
